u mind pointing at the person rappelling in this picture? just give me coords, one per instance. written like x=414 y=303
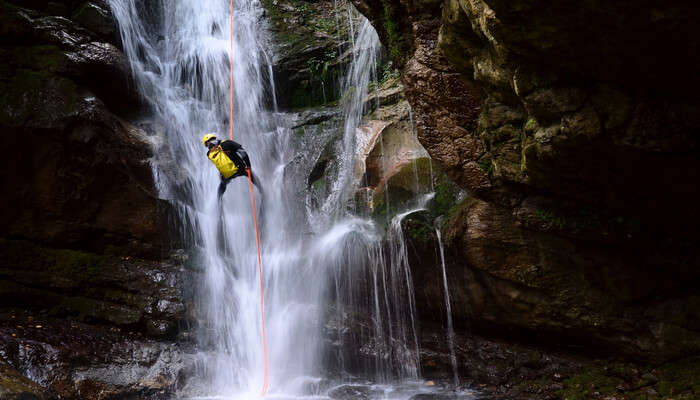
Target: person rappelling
x=230 y=159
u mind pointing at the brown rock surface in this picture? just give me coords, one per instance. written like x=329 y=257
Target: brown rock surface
x=81 y=229
x=74 y=174
x=573 y=128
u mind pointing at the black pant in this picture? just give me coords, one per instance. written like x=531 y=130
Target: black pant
x=241 y=172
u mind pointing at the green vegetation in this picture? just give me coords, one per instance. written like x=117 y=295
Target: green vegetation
x=418 y=229
x=67 y=267
x=531 y=125
x=389 y=72
x=318 y=67
x=674 y=380
x=394 y=35
x=326 y=25
x=303 y=8
x=549 y=218
x=74 y=262
x=445 y=198
x=487 y=166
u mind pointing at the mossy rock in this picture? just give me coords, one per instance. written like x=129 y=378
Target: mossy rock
x=66 y=268
x=14 y=386
x=676 y=380
x=419 y=229
x=403 y=186
x=95 y=18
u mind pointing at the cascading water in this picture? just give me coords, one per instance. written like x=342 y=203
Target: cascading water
x=318 y=263
x=448 y=309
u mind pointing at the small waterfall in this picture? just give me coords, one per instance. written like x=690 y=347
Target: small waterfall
x=448 y=309
x=365 y=50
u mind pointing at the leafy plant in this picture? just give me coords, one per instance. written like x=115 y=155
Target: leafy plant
x=326 y=25
x=389 y=72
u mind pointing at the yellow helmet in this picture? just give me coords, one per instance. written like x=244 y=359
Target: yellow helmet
x=208 y=137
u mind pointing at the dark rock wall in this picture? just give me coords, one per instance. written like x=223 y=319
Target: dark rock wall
x=309 y=42
x=82 y=244
x=74 y=173
x=574 y=128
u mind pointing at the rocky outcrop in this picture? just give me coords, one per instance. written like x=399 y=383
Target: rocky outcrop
x=309 y=50
x=572 y=128
x=74 y=174
x=126 y=292
x=14 y=386
x=82 y=283
x=72 y=360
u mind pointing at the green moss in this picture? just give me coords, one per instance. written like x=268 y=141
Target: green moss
x=394 y=35
x=586 y=383
x=319 y=184
x=674 y=380
x=62 y=263
x=487 y=166
x=419 y=230
x=389 y=72
x=323 y=24
x=457 y=212
x=549 y=218
x=81 y=265
x=531 y=125
x=445 y=198
x=679 y=377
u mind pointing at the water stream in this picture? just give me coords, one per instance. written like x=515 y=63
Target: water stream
x=448 y=309
x=339 y=308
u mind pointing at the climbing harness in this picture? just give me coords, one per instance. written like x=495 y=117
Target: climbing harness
x=255 y=218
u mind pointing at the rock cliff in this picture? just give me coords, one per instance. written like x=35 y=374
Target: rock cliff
x=81 y=229
x=573 y=128
x=75 y=174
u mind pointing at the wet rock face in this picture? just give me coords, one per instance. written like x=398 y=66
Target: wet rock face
x=14 y=386
x=82 y=283
x=308 y=51
x=129 y=293
x=72 y=360
x=540 y=282
x=573 y=130
x=74 y=173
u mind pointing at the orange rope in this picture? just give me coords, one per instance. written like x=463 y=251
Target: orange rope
x=230 y=59
x=262 y=312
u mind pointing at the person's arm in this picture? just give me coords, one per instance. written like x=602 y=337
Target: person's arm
x=229 y=146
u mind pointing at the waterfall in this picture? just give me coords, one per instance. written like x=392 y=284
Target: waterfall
x=319 y=264
x=448 y=310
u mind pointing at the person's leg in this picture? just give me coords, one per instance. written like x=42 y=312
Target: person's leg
x=255 y=181
x=222 y=186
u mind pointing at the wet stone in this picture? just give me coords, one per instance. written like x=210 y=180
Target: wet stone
x=435 y=396
x=14 y=386
x=352 y=392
